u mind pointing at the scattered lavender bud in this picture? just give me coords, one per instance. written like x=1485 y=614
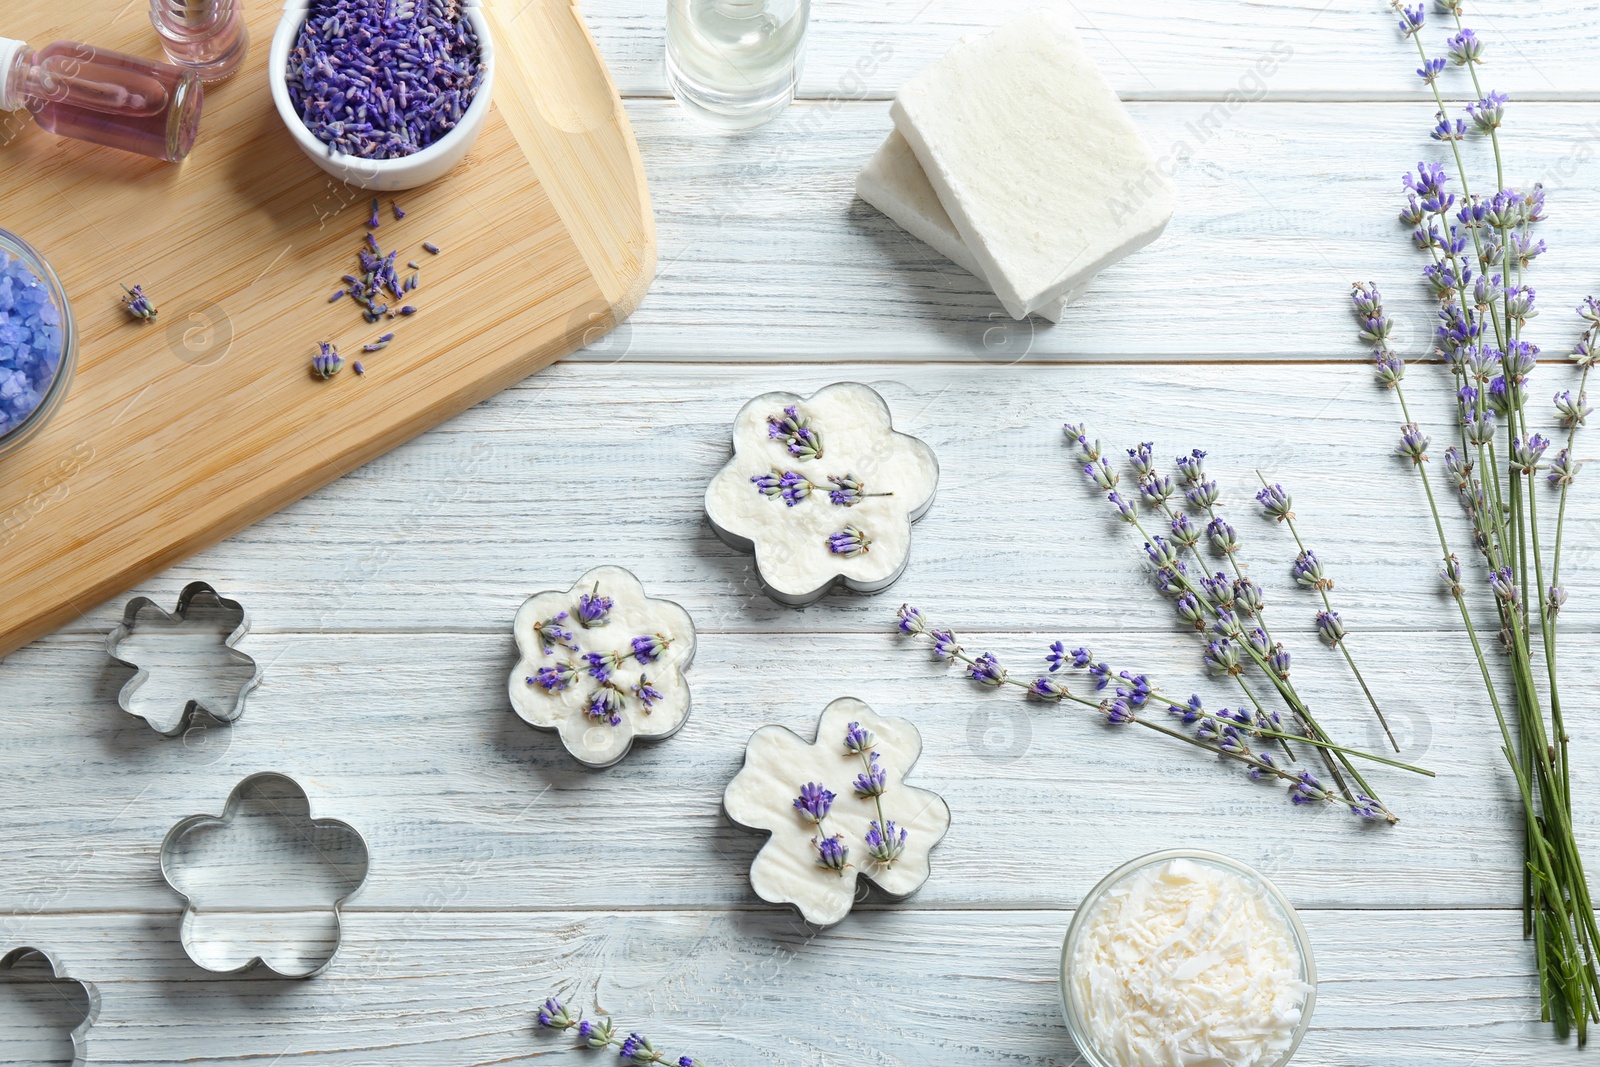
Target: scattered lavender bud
x=849 y=542
x=408 y=310
x=336 y=295
x=379 y=345
x=358 y=368
x=432 y=248
x=372 y=220
x=327 y=362
x=398 y=214
x=138 y=305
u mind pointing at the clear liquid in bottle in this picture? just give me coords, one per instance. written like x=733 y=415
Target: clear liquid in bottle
x=735 y=63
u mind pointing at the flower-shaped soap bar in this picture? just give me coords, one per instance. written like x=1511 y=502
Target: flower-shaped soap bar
x=602 y=664
x=822 y=489
x=838 y=809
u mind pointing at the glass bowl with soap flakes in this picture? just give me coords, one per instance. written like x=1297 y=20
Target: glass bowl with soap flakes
x=1184 y=956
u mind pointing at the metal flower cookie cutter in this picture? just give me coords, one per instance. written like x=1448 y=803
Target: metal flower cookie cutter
x=83 y=1002
x=264 y=882
x=149 y=637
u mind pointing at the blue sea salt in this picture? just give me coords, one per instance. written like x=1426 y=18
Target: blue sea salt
x=30 y=342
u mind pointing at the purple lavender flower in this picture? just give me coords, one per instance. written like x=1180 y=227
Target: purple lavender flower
x=813 y=802
x=1190 y=712
x=1411 y=19
x=1279 y=661
x=1184 y=533
x=769 y=484
x=1276 y=502
x=1413 y=443
x=592 y=610
x=1504 y=586
x=832 y=853
x=849 y=491
x=1480 y=425
x=646 y=694
x=1430 y=70
x=551 y=633
x=638 y=1050
x=911 y=620
x=327 y=362
x=1161 y=552
x=793 y=430
x=1081 y=658
x=1520 y=357
x=1137 y=691
x=1226 y=624
x=648 y=649
x=874 y=780
x=1117 y=711
x=1202 y=495
x=849 y=542
x=1366 y=808
x=883 y=843
x=1257 y=637
x=1429 y=186
x=1217 y=589
x=1224 y=538
x=1124 y=509
x=1390 y=369
x=1555 y=600
x=1056 y=656
x=987 y=669
x=1190 y=610
x=1264 y=770
x=1247 y=597
x=1169 y=580
x=595 y=1035
x=1048 y=688
x=1562 y=469
x=1489 y=112
x=553 y=1016
x=139 y=306
x=554 y=679
x=1222 y=657
x=1157 y=489
x=793 y=487
x=1192 y=467
x=1329 y=626
x=1307 y=789
x=605 y=704
x=1450 y=130
x=944 y=644
x=601 y=664
x=857 y=739
x=1307 y=571
x=1100 y=473
x=1527 y=454
x=1143 y=459
x=1101 y=675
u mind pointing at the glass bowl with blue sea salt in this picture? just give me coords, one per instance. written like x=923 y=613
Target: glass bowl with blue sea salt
x=38 y=342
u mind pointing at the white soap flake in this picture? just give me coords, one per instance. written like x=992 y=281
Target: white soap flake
x=1188 y=964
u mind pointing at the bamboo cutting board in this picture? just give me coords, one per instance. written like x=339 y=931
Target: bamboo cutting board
x=179 y=433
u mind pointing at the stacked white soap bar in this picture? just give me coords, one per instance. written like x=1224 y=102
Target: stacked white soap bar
x=1013 y=157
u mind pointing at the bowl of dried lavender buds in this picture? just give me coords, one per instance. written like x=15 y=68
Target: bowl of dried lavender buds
x=383 y=94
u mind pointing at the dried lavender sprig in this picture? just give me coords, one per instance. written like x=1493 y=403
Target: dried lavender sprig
x=634 y=1049
x=793 y=487
x=1277 y=504
x=1224 y=739
x=1174 y=577
x=883 y=843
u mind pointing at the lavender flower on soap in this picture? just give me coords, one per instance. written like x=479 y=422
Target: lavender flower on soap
x=884 y=840
x=607 y=698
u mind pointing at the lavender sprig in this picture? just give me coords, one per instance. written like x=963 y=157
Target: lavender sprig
x=1133 y=699
x=884 y=840
x=1499 y=494
x=635 y=1048
x=793 y=430
x=792 y=487
x=138 y=305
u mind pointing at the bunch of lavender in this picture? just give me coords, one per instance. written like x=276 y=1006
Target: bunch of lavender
x=608 y=696
x=634 y=1048
x=1479 y=248
x=885 y=841
x=1227 y=609
x=1134 y=699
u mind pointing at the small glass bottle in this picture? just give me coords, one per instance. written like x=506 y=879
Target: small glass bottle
x=206 y=36
x=735 y=63
x=93 y=94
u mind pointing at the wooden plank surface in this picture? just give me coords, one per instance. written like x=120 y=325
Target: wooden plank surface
x=179 y=433
x=503 y=871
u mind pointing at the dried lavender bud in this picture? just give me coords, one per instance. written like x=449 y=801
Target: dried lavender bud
x=832 y=853
x=813 y=802
x=432 y=248
x=138 y=305
x=327 y=362
x=849 y=542
x=883 y=844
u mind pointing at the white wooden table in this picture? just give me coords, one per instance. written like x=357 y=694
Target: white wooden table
x=502 y=871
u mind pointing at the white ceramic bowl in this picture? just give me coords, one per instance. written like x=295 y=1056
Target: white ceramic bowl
x=406 y=172
x=1076 y=1025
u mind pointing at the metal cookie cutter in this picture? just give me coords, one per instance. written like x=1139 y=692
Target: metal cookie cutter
x=238 y=913
x=46 y=960
x=195 y=595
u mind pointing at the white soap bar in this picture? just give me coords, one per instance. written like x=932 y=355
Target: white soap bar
x=778 y=764
x=893 y=182
x=814 y=533
x=602 y=665
x=1034 y=158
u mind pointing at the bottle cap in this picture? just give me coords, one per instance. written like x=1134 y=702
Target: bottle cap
x=10 y=96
